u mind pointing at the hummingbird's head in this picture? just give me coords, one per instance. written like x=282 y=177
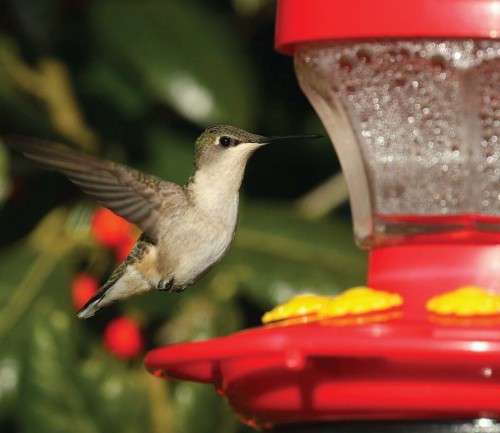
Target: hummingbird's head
x=231 y=145
x=225 y=142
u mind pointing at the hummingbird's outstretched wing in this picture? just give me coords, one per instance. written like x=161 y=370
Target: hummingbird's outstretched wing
x=130 y=193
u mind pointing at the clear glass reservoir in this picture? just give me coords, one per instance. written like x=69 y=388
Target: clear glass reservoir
x=416 y=126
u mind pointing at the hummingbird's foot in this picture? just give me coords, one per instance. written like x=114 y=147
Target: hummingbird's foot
x=178 y=289
x=165 y=285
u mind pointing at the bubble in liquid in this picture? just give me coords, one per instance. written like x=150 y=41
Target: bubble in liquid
x=345 y=63
x=364 y=55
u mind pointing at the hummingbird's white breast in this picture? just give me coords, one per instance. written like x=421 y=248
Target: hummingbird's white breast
x=199 y=236
x=203 y=242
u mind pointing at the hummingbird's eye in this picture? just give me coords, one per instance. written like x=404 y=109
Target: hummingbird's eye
x=225 y=141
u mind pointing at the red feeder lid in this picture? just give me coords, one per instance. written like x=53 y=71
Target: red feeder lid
x=300 y=21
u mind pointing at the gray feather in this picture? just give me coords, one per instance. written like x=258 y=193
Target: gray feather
x=135 y=196
x=137 y=253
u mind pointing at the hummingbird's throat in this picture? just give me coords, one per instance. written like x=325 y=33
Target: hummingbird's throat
x=215 y=187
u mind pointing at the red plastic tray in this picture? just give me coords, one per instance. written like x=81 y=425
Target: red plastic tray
x=336 y=370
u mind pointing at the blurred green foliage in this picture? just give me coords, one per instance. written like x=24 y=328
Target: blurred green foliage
x=136 y=81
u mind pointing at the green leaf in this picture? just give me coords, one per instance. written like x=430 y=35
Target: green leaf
x=29 y=276
x=199 y=409
x=187 y=56
x=38 y=20
x=46 y=382
x=10 y=376
x=199 y=317
x=116 y=393
x=170 y=154
x=4 y=173
x=250 y=7
x=61 y=392
x=17 y=109
x=103 y=81
x=52 y=399
x=14 y=262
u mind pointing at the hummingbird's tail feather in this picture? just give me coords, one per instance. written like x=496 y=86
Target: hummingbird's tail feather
x=126 y=280
x=91 y=307
x=128 y=283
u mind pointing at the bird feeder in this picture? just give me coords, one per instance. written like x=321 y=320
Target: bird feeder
x=409 y=93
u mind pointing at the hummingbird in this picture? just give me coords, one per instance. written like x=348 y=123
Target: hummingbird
x=185 y=229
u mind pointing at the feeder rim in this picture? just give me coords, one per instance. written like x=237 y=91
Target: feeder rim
x=299 y=22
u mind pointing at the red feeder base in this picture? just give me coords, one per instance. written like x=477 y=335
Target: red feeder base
x=335 y=371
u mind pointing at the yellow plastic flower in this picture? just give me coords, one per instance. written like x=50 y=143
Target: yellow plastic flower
x=355 y=301
x=465 y=302
x=360 y=300
x=301 y=305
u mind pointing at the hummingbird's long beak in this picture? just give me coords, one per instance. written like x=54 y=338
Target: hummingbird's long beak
x=275 y=139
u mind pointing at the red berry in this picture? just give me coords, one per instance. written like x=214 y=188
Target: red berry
x=110 y=229
x=124 y=248
x=123 y=338
x=83 y=287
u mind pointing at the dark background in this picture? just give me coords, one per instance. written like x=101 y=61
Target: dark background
x=137 y=81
